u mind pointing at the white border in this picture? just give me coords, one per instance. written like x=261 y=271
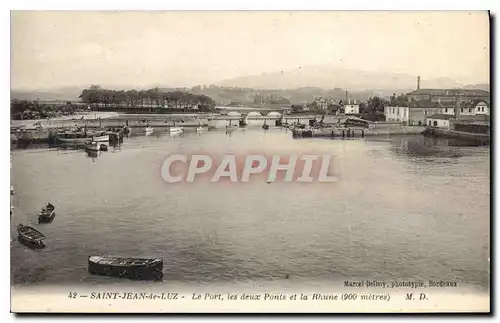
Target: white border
x=182 y=5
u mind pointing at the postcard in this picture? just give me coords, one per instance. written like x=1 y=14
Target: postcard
x=250 y=162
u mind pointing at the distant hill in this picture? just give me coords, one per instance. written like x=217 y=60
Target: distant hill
x=327 y=77
x=485 y=87
x=298 y=86
x=60 y=94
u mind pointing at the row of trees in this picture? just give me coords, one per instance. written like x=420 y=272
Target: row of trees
x=156 y=98
x=270 y=99
x=23 y=110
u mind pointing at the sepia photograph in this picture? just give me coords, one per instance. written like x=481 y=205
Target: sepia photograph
x=250 y=161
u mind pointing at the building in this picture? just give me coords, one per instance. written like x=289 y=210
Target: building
x=481 y=107
x=397 y=114
x=447 y=95
x=351 y=107
x=414 y=114
x=439 y=121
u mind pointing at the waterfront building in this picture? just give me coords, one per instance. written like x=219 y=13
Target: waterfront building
x=439 y=121
x=351 y=107
x=413 y=114
x=447 y=95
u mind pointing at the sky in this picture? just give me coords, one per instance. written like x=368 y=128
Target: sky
x=188 y=48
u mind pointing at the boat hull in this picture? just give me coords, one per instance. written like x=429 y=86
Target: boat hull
x=30 y=237
x=46 y=218
x=30 y=244
x=75 y=140
x=141 y=271
x=104 y=138
x=175 y=130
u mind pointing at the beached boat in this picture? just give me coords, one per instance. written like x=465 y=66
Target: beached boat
x=30 y=236
x=47 y=213
x=132 y=268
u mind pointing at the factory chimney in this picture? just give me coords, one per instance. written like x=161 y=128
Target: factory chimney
x=346 y=98
x=457 y=107
x=418 y=83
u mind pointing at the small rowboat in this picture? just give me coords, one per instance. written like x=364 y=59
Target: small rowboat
x=94 y=146
x=231 y=128
x=30 y=237
x=47 y=214
x=175 y=130
x=131 y=268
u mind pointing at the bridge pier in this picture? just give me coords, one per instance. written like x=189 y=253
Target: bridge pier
x=244 y=120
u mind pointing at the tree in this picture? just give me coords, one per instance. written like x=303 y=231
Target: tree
x=398 y=100
x=375 y=104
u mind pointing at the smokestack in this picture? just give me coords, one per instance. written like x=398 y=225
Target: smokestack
x=346 y=96
x=418 y=83
x=457 y=107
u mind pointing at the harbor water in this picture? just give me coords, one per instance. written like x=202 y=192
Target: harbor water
x=402 y=208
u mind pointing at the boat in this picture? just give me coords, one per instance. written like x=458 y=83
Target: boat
x=126 y=130
x=175 y=130
x=131 y=268
x=94 y=146
x=231 y=128
x=71 y=137
x=30 y=236
x=149 y=130
x=356 y=122
x=265 y=126
x=47 y=214
x=103 y=147
x=100 y=136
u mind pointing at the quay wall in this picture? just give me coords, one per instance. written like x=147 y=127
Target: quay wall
x=469 y=136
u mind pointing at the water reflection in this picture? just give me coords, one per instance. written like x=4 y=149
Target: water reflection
x=92 y=154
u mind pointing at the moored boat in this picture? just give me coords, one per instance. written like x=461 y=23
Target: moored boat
x=175 y=130
x=47 y=213
x=100 y=136
x=71 y=137
x=126 y=130
x=149 y=130
x=94 y=146
x=131 y=268
x=30 y=236
x=231 y=128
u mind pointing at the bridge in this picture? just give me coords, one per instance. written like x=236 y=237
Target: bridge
x=253 y=111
